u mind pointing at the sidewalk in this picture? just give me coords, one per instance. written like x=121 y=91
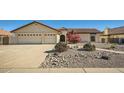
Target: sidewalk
x=100 y=49
x=64 y=70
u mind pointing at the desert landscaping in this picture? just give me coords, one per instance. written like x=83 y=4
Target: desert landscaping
x=36 y=47
x=78 y=57
x=44 y=58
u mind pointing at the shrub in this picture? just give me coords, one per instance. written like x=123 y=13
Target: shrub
x=73 y=38
x=89 y=47
x=112 y=46
x=61 y=47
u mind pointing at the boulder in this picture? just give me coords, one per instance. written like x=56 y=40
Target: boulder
x=105 y=57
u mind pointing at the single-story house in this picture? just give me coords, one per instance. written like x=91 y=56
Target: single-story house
x=4 y=37
x=113 y=35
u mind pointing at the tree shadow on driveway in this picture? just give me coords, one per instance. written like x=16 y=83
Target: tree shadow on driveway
x=50 y=51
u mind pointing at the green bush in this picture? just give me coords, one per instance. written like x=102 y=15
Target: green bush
x=112 y=46
x=89 y=47
x=61 y=47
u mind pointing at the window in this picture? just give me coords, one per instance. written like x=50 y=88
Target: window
x=36 y=34
x=21 y=34
x=27 y=34
x=39 y=34
x=24 y=34
x=33 y=34
x=30 y=34
x=18 y=34
x=93 y=38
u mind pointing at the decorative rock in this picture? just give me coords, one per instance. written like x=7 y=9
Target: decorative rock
x=105 y=57
x=73 y=58
x=76 y=55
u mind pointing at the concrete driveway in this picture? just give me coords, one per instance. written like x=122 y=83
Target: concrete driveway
x=23 y=56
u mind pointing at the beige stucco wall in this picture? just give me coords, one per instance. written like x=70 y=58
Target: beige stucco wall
x=106 y=31
x=12 y=39
x=85 y=37
x=57 y=38
x=98 y=38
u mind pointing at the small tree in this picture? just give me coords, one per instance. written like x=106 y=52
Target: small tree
x=73 y=38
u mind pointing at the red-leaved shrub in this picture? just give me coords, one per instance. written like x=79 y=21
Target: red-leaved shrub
x=73 y=38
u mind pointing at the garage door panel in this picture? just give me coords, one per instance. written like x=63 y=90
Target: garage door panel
x=29 y=40
x=49 y=40
x=37 y=40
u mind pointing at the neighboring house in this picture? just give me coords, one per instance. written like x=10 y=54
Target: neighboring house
x=114 y=35
x=86 y=34
x=4 y=37
x=35 y=33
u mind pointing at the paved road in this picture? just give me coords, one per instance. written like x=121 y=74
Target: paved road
x=22 y=56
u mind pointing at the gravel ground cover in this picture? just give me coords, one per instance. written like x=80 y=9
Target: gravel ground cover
x=74 y=58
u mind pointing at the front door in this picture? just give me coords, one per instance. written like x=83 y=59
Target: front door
x=62 y=38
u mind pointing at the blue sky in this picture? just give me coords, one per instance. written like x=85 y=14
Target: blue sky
x=99 y=24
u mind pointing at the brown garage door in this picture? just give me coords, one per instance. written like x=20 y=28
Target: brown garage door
x=5 y=40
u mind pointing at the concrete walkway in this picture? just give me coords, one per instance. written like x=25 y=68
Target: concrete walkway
x=100 y=49
x=64 y=70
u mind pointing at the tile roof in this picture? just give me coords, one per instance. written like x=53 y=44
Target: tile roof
x=81 y=30
x=118 y=30
x=3 y=32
